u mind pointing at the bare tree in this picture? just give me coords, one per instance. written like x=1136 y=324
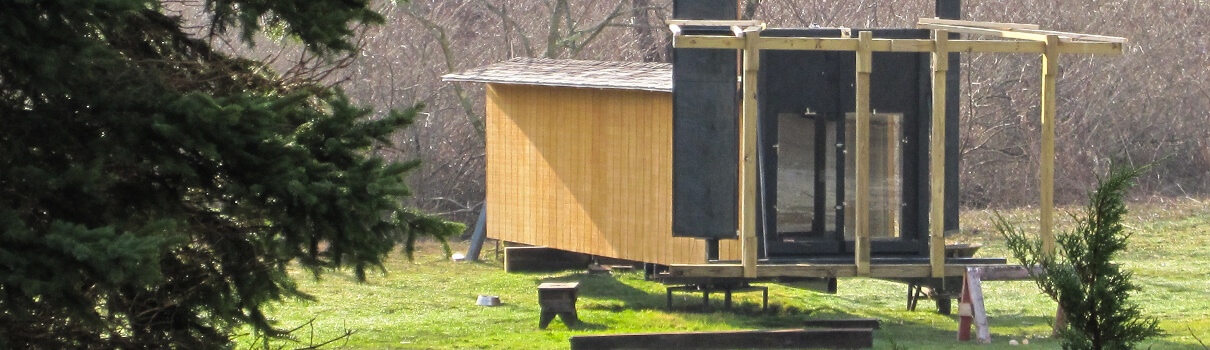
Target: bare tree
x=1147 y=105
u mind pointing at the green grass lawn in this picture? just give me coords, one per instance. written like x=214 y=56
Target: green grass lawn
x=429 y=303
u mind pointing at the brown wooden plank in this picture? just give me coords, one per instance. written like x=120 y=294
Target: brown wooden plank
x=984 y=31
x=603 y=165
x=713 y=22
x=525 y=173
x=661 y=144
x=1068 y=36
x=845 y=338
x=626 y=194
x=898 y=45
x=492 y=151
x=988 y=25
x=554 y=150
x=501 y=152
x=1089 y=48
x=577 y=180
x=664 y=164
x=592 y=109
x=1006 y=272
x=643 y=170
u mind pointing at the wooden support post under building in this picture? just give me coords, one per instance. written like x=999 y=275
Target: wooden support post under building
x=1050 y=69
x=937 y=155
x=861 y=209
x=748 y=121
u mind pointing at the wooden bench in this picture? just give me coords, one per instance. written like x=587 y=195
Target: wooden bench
x=558 y=299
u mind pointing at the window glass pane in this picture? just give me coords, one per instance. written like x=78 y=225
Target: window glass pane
x=886 y=197
x=795 y=173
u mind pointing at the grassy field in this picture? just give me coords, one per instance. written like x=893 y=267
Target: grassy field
x=429 y=303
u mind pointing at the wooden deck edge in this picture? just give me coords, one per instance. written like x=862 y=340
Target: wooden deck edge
x=845 y=338
x=816 y=270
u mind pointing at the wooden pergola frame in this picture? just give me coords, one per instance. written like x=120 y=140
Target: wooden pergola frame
x=747 y=38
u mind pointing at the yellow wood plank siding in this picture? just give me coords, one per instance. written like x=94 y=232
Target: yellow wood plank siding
x=585 y=170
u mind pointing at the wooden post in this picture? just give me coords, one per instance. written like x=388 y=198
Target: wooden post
x=861 y=208
x=1050 y=69
x=747 y=140
x=937 y=155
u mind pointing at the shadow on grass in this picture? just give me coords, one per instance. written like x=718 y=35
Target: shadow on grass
x=919 y=329
x=614 y=294
x=588 y=326
x=605 y=292
x=915 y=332
x=1174 y=287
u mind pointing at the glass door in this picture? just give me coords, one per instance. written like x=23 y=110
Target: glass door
x=815 y=184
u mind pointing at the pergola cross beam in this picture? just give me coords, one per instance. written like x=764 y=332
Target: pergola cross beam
x=1011 y=30
x=893 y=45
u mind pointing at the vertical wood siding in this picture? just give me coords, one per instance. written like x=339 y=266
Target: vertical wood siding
x=585 y=170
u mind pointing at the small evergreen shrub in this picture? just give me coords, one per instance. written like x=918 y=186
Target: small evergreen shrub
x=1092 y=291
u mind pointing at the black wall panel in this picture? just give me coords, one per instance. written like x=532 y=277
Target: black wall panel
x=705 y=138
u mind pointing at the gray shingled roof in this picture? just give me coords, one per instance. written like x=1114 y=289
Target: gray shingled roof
x=572 y=73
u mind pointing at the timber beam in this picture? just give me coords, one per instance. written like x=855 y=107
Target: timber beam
x=1011 y=30
x=749 y=120
x=816 y=270
x=940 y=66
x=892 y=45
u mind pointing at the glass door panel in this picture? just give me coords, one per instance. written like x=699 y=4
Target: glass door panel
x=886 y=178
x=804 y=162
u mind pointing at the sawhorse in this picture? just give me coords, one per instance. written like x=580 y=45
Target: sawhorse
x=970 y=305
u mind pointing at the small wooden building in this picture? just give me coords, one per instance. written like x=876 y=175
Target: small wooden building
x=767 y=161
x=579 y=158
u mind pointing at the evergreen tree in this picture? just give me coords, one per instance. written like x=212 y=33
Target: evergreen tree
x=1090 y=289
x=153 y=191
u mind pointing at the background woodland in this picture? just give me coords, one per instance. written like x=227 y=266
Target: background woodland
x=1145 y=106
